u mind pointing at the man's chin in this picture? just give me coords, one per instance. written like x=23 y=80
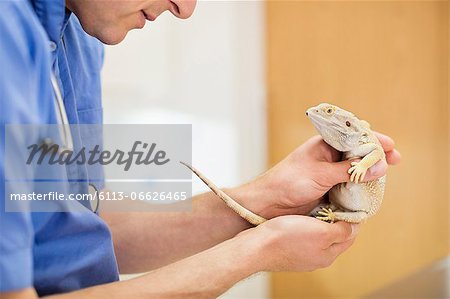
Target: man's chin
x=112 y=37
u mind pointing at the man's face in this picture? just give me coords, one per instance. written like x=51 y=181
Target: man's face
x=110 y=21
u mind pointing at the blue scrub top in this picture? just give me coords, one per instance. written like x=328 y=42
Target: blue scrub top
x=52 y=252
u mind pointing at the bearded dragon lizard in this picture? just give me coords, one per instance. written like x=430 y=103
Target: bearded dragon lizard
x=354 y=201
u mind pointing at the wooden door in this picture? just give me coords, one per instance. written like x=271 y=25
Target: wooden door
x=387 y=61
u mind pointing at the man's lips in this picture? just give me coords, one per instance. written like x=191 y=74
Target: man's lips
x=148 y=16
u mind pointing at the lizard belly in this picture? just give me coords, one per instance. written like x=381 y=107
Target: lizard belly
x=366 y=197
x=350 y=197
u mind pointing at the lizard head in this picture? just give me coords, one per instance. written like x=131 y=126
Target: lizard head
x=338 y=127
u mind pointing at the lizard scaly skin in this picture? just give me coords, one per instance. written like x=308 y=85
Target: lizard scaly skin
x=354 y=201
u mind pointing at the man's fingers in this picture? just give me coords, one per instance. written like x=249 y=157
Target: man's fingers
x=387 y=142
x=376 y=171
x=341 y=237
x=338 y=248
x=393 y=157
x=343 y=231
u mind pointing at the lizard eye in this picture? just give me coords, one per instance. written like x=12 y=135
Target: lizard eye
x=329 y=110
x=348 y=124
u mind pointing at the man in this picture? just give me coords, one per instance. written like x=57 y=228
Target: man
x=197 y=254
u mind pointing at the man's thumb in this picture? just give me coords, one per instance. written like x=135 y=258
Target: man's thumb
x=339 y=171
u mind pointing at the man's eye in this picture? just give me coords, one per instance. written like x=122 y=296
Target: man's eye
x=348 y=124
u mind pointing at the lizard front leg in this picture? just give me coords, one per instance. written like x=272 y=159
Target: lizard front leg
x=372 y=153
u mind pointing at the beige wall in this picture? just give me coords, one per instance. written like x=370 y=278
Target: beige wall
x=387 y=62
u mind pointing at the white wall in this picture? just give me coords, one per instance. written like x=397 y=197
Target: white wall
x=208 y=71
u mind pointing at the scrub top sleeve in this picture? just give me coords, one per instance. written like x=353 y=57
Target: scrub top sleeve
x=23 y=56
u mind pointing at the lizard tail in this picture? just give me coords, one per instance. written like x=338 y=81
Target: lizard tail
x=230 y=202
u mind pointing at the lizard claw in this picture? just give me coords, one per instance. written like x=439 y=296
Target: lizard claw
x=357 y=171
x=326 y=214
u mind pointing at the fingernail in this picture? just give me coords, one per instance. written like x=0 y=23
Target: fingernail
x=355 y=230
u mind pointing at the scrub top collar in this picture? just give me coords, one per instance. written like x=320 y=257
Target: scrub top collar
x=54 y=17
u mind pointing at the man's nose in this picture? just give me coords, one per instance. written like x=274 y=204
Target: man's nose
x=183 y=9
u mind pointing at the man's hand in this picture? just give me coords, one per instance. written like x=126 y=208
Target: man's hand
x=294 y=186
x=300 y=243
x=298 y=183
